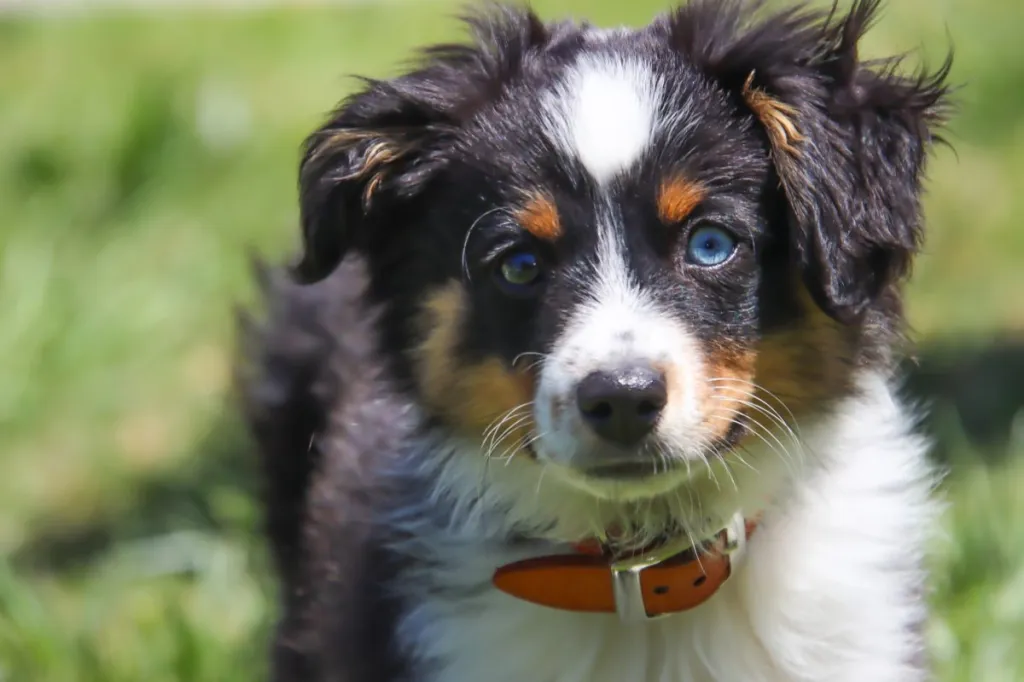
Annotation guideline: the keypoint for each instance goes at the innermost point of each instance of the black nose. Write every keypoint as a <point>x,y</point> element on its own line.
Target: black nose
<point>622,406</point>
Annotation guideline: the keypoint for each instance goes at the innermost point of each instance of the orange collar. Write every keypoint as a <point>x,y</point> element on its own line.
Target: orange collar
<point>667,578</point>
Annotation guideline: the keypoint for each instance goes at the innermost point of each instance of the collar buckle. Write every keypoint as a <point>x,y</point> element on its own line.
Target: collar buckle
<point>626,572</point>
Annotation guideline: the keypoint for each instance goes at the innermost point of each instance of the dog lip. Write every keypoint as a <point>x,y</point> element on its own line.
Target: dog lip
<point>628,470</point>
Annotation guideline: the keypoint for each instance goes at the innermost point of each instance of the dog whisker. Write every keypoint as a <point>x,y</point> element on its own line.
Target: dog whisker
<point>465,243</point>
<point>764,407</point>
<point>508,414</point>
<point>778,448</point>
<point>771,414</point>
<point>758,387</point>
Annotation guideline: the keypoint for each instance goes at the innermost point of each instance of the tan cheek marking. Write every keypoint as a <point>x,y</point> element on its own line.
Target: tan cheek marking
<point>485,392</point>
<point>539,217</point>
<point>728,388</point>
<point>470,397</point>
<point>723,389</point>
<point>677,198</point>
<point>441,319</point>
<point>806,366</point>
<point>793,372</point>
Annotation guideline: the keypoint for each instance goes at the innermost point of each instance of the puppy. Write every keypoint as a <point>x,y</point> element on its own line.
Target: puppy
<point>586,370</point>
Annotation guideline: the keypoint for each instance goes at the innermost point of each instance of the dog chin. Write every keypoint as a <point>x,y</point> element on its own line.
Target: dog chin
<point>623,485</point>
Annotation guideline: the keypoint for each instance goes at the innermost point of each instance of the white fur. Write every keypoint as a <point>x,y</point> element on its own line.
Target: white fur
<point>604,114</point>
<point>618,326</point>
<point>599,34</point>
<point>825,590</point>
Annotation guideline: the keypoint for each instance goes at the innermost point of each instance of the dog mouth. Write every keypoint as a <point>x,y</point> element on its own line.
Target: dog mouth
<point>629,471</point>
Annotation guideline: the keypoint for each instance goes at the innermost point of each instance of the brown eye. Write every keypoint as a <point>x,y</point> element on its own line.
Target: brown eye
<point>519,273</point>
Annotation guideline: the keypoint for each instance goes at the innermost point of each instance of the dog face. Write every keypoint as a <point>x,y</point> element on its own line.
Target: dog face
<point>618,252</point>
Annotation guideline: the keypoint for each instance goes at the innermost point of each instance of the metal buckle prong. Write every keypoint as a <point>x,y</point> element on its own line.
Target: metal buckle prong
<point>735,535</point>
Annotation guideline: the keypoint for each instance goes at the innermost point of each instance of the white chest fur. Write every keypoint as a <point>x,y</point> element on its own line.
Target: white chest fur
<point>828,589</point>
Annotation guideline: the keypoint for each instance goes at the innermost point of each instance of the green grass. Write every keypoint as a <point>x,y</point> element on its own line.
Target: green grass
<point>142,157</point>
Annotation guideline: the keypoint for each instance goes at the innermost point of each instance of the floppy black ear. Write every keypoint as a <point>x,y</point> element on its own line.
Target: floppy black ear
<point>378,145</point>
<point>383,144</point>
<point>853,174</point>
<point>848,138</point>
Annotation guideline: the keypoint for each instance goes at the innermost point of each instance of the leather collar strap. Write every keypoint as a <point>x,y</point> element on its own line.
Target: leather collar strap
<point>657,581</point>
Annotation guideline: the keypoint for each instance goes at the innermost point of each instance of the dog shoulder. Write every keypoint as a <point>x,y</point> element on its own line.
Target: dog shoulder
<point>306,372</point>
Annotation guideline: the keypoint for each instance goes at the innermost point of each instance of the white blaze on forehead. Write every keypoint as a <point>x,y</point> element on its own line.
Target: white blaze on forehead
<point>604,113</point>
<point>616,320</point>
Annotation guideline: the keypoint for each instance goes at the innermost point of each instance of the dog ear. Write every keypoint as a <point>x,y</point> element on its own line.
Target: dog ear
<point>850,155</point>
<point>848,138</point>
<point>379,147</point>
<point>384,144</point>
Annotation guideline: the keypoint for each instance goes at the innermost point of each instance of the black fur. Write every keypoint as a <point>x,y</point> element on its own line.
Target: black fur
<point>320,411</point>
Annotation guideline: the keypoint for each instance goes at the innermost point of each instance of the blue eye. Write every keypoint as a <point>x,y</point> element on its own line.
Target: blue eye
<point>519,272</point>
<point>709,246</point>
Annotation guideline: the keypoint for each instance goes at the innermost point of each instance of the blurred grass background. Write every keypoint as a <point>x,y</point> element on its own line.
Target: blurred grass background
<point>143,154</point>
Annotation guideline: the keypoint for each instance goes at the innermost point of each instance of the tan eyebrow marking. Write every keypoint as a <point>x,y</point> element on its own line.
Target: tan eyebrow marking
<point>677,197</point>
<point>539,217</point>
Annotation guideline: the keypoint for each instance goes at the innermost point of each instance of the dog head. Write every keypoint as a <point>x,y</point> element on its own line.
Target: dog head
<point>614,252</point>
